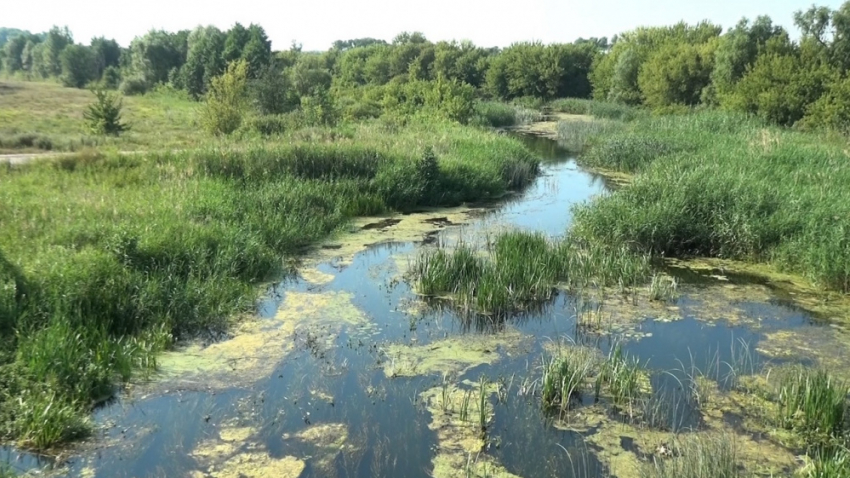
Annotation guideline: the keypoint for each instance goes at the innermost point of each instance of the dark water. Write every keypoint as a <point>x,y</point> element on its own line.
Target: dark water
<point>153,436</point>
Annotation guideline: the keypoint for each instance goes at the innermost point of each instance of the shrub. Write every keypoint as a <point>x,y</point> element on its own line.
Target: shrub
<point>134,86</point>
<point>111,79</point>
<point>495,114</point>
<point>103,116</point>
<point>226,100</point>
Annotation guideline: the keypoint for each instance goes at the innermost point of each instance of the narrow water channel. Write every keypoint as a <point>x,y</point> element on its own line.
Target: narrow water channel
<point>379,426</point>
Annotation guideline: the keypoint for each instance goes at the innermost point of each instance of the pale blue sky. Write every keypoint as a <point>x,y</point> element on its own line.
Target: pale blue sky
<point>317,23</point>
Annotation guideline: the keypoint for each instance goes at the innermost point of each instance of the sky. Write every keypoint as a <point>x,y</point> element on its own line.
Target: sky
<point>317,23</point>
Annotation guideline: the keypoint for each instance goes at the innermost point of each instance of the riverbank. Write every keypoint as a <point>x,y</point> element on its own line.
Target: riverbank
<point>106,259</point>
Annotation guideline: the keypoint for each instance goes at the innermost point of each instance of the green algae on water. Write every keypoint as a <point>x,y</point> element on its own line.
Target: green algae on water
<point>451,355</point>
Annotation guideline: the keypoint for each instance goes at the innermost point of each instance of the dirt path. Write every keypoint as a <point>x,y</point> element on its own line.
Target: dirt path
<point>28,157</point>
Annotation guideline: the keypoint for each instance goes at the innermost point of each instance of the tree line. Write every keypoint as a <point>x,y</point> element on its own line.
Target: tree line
<point>754,67</point>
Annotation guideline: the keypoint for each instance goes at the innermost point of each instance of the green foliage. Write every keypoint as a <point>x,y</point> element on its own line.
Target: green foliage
<point>495,114</point>
<point>778,88</point>
<point>832,109</point>
<point>575,136</point>
<point>812,403</point>
<point>111,78</point>
<point>542,71</point>
<point>521,269</point>
<point>564,376</point>
<point>204,60</point>
<point>595,108</point>
<point>107,54</point>
<point>103,116</point>
<point>134,85</point>
<point>226,101</point>
<point>676,75</point>
<point>78,66</point>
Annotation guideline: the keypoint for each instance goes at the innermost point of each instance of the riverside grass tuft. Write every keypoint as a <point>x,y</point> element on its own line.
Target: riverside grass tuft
<point>521,269</point>
<point>105,259</point>
<point>724,185</point>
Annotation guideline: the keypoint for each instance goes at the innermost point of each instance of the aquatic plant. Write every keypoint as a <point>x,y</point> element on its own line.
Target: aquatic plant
<point>564,376</point>
<point>483,417</point>
<point>811,402</point>
<point>577,135</point>
<point>828,464</point>
<point>663,288</point>
<point>463,413</point>
<point>522,268</point>
<point>624,379</point>
<point>697,455</point>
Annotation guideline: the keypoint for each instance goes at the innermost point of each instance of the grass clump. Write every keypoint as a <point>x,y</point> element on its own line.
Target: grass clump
<point>522,268</point>
<point>697,456</point>
<point>598,109</point>
<point>719,185</point>
<point>104,259</point>
<point>576,136</point>
<point>624,379</point>
<point>500,115</point>
<point>565,375</point>
<point>811,403</point>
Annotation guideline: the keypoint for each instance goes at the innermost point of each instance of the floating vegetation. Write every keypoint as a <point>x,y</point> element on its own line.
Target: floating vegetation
<point>258,345</point>
<point>460,443</point>
<point>453,355</point>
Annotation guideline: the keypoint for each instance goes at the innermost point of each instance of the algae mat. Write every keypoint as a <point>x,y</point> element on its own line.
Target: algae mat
<point>259,345</point>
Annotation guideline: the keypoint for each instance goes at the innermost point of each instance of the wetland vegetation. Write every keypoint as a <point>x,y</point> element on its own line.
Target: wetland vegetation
<point>264,205</point>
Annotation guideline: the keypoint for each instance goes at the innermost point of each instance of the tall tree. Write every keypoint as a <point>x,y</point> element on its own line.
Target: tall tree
<point>106,53</point>
<point>55,41</point>
<point>79,66</point>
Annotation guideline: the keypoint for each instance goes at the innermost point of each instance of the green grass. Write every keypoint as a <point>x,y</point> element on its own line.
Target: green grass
<point>42,116</point>
<point>829,465</point>
<point>622,378</point>
<point>104,259</point>
<point>521,269</point>
<point>598,109</point>
<point>811,403</point>
<point>697,456</point>
<point>720,185</point>
<point>500,115</point>
<point>575,136</point>
<point>564,376</point>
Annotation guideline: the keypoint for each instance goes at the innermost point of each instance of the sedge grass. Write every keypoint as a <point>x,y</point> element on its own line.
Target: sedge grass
<point>720,185</point>
<point>697,456</point>
<point>811,403</point>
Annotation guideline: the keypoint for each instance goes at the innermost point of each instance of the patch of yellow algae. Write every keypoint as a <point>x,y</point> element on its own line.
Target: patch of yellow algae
<point>829,305</point>
<point>549,127</point>
<point>258,345</point>
<point>325,442</point>
<point>451,355</point>
<point>460,444</point>
<point>827,347</point>
<point>409,227</point>
<point>315,276</point>
<point>259,465</point>
<point>233,456</point>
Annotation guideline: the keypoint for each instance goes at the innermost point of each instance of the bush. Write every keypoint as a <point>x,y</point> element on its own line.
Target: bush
<point>134,86</point>
<point>226,101</point>
<point>104,115</point>
<point>27,140</point>
<point>111,79</point>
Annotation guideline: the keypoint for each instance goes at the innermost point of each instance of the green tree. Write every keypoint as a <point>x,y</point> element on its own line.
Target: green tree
<point>226,100</point>
<point>272,92</point>
<point>154,55</point>
<point>310,74</point>
<point>107,53</point>
<point>55,41</point>
<point>204,60</point>
<point>234,44</point>
<point>78,66</point>
<point>676,75</point>
<point>103,116</point>
<point>258,50</point>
